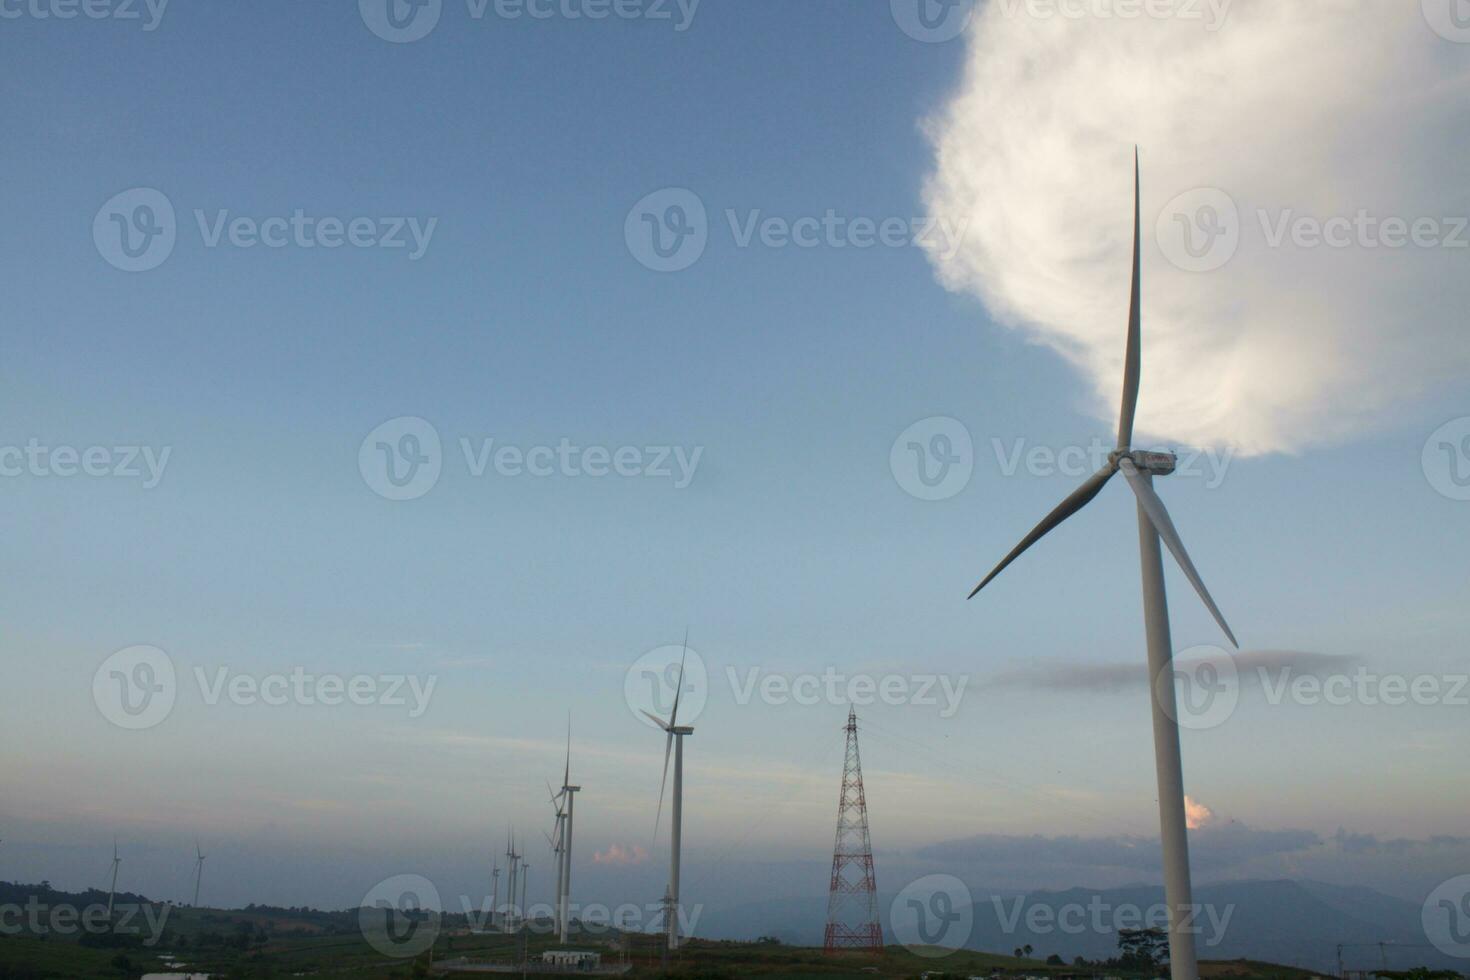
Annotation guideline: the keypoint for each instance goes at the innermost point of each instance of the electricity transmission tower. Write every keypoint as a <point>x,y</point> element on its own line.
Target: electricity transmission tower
<point>852,902</point>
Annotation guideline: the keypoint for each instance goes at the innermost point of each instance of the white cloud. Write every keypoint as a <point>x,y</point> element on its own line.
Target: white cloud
<point>620,855</point>
<point>1196,814</point>
<point>1323,107</point>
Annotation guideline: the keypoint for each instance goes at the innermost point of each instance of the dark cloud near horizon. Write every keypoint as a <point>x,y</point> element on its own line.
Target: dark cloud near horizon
<point>1217,847</point>
<point>1065,676</point>
<point>1354,843</point>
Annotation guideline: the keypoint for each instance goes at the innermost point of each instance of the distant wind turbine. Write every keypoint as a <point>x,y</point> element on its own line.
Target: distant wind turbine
<point>198,870</point>
<point>511,857</point>
<point>1139,469</point>
<point>565,801</point>
<point>494,889</point>
<point>674,743</point>
<point>112,889</point>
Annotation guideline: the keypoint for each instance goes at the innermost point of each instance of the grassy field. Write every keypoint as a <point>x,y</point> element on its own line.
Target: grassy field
<point>275,943</point>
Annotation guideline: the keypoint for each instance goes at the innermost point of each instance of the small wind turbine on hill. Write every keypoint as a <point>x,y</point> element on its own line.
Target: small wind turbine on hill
<point>1139,469</point>
<point>494,889</point>
<point>112,889</point>
<point>511,858</point>
<point>674,743</point>
<point>198,870</point>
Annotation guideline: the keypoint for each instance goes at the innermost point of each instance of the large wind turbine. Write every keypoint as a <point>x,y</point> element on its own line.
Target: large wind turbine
<point>565,814</point>
<point>675,742</point>
<point>512,859</point>
<point>1139,469</point>
<point>198,870</point>
<point>112,889</point>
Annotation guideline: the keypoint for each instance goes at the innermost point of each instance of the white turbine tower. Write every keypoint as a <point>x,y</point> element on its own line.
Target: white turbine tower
<point>553,840</point>
<point>566,811</point>
<point>112,889</point>
<point>674,744</point>
<point>511,858</point>
<point>1139,469</point>
<point>198,870</point>
<point>494,889</point>
<point>525,877</point>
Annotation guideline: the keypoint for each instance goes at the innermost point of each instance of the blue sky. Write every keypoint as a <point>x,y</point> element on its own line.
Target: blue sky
<point>528,320</point>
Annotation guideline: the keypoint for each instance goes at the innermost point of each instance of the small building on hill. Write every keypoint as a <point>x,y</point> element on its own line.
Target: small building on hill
<point>574,959</point>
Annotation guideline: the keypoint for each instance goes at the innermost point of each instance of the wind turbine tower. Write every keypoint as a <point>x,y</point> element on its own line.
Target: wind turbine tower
<point>112,889</point>
<point>1154,524</point>
<point>198,871</point>
<point>564,855</point>
<point>512,858</point>
<point>494,889</point>
<point>674,744</point>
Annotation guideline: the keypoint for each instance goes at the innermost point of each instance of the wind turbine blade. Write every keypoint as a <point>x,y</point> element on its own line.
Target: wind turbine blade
<point>668,748</point>
<point>1080,498</point>
<point>1158,516</point>
<point>656,720</point>
<point>674,715</point>
<point>566,778</point>
<point>1131,363</point>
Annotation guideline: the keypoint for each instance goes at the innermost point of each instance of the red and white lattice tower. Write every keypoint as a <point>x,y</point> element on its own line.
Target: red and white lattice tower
<point>852,902</point>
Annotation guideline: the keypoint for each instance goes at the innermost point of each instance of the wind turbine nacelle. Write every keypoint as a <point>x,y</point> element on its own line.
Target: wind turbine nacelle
<point>1157,464</point>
